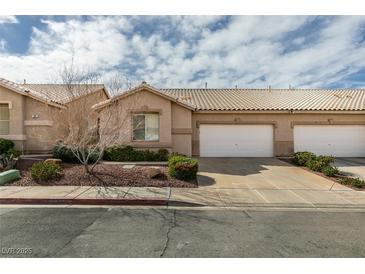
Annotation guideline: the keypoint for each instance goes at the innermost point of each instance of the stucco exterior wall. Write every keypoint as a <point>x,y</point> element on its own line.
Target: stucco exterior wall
<point>16,128</point>
<point>283,125</point>
<point>40,125</point>
<point>118,118</point>
<point>35,126</point>
<point>181,129</point>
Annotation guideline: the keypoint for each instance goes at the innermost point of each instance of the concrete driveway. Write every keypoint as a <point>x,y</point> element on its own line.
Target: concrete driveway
<point>351,166</point>
<point>259,173</point>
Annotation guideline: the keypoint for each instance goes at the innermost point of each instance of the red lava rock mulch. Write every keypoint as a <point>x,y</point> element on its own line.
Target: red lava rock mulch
<point>110,175</point>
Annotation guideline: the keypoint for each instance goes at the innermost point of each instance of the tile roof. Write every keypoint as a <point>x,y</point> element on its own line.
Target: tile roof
<point>28,92</point>
<point>61,93</point>
<point>271,99</point>
<point>57,94</point>
<point>145,86</point>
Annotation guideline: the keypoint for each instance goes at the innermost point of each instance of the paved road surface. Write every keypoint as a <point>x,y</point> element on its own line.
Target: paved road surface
<point>154,232</point>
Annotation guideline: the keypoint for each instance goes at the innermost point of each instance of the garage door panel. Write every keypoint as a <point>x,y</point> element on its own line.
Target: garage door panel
<point>236,140</point>
<point>336,140</point>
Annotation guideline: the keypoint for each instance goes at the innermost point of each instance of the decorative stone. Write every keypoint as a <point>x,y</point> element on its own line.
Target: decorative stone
<point>8,176</point>
<point>53,161</point>
<point>153,172</point>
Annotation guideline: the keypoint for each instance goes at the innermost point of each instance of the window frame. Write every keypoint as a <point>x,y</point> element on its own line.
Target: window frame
<point>144,114</point>
<point>8,107</point>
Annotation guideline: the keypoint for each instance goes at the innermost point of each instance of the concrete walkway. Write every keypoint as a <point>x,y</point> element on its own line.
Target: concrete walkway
<point>216,197</point>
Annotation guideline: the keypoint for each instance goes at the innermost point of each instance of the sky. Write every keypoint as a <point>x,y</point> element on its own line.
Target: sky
<point>189,51</point>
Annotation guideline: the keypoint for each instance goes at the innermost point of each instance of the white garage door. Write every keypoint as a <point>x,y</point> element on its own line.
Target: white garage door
<point>236,141</point>
<point>336,140</point>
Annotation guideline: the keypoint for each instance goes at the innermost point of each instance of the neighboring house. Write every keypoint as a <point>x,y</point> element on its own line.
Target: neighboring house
<point>241,122</point>
<point>30,114</point>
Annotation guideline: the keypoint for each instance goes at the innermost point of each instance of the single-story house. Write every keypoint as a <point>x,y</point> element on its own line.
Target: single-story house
<point>240,122</point>
<point>30,113</point>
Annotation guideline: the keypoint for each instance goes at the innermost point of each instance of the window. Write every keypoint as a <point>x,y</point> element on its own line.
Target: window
<point>4,119</point>
<point>146,127</point>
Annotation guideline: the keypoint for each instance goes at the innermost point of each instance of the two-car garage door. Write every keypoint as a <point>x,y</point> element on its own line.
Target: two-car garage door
<point>236,140</point>
<point>335,140</point>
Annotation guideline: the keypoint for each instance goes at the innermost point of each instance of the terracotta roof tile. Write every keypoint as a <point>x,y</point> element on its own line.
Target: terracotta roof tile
<point>62,93</point>
<point>271,99</point>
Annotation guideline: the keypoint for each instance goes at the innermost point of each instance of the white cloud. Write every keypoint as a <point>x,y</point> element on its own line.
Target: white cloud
<point>8,19</point>
<point>249,51</point>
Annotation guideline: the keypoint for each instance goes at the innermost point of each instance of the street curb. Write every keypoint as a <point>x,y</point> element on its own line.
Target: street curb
<point>61,201</point>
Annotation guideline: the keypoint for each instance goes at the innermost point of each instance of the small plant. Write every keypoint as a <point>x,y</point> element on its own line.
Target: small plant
<point>329,171</point>
<point>5,145</point>
<point>42,171</point>
<point>356,182</point>
<point>303,158</point>
<point>8,161</point>
<point>183,168</point>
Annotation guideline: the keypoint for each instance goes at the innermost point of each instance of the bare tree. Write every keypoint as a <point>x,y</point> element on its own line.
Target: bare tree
<point>88,132</point>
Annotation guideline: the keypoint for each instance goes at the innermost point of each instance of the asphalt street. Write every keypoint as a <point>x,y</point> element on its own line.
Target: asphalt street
<point>158,232</point>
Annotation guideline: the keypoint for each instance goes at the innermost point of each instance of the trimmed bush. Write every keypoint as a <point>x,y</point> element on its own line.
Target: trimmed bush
<point>66,155</point>
<point>316,164</point>
<point>5,145</point>
<point>42,171</point>
<point>356,182</point>
<point>303,158</point>
<point>163,154</point>
<point>327,160</point>
<point>330,171</point>
<point>128,153</point>
<point>183,168</point>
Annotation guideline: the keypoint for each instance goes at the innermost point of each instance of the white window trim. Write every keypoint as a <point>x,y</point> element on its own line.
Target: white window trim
<point>145,113</point>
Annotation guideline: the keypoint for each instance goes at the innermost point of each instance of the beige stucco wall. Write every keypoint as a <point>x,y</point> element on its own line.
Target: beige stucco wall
<point>174,120</point>
<point>16,111</point>
<point>283,125</point>
<point>35,126</point>
<point>118,118</point>
<point>181,129</point>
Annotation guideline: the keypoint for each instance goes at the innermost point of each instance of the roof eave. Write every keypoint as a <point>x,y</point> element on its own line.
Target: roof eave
<point>28,94</point>
<point>282,111</point>
<point>138,89</point>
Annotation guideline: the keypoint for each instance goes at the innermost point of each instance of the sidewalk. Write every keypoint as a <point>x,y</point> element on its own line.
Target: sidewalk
<point>214,197</point>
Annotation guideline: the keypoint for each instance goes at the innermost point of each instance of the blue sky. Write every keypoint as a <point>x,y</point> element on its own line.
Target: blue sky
<point>187,51</point>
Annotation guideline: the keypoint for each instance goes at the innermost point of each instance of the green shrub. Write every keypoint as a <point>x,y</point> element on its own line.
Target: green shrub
<point>15,153</point>
<point>128,153</point>
<point>163,154</point>
<point>66,155</point>
<point>42,171</point>
<point>329,171</point>
<point>316,164</point>
<point>183,168</point>
<point>327,160</point>
<point>356,182</point>
<point>5,145</point>
<point>303,158</point>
